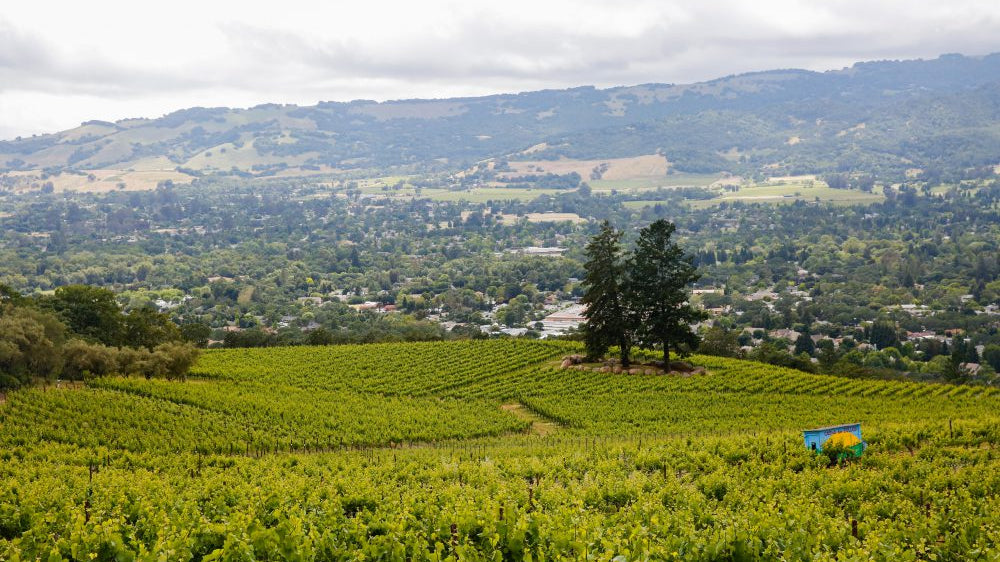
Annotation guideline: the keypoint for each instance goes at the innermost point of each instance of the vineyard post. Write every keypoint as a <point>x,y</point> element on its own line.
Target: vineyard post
<point>454,536</point>
<point>92,468</point>
<point>854,528</point>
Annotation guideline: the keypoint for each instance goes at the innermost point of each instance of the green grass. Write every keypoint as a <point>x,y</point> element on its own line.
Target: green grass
<point>776,194</point>
<point>636,205</point>
<point>484,194</point>
<point>650,183</point>
<point>378,184</point>
<point>789,193</point>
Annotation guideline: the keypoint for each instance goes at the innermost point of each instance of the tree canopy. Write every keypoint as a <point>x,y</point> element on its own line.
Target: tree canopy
<point>81,332</point>
<point>608,321</point>
<point>640,298</point>
<point>659,274</point>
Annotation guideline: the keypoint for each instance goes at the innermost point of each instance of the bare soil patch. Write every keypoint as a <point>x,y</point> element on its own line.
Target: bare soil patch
<point>540,425</point>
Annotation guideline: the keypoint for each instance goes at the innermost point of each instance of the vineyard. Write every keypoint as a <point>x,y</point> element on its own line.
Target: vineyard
<point>410,452</point>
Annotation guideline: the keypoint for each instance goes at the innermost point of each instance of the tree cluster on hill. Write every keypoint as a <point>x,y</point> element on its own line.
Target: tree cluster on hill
<point>79,332</point>
<point>639,299</point>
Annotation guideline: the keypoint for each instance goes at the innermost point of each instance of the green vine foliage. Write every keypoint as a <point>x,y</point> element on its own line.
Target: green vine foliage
<point>403,452</point>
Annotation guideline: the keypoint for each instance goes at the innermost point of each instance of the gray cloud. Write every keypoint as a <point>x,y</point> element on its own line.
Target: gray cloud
<point>20,50</point>
<point>474,52</point>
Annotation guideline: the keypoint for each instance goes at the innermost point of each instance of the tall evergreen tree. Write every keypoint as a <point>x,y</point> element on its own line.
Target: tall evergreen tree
<point>804,344</point>
<point>882,334</point>
<point>659,273</point>
<point>607,319</point>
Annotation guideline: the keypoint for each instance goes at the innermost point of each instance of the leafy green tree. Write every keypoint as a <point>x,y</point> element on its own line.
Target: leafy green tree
<point>607,312</point>
<point>145,327</point>
<point>196,333</point>
<point>991,355</point>
<point>514,312</point>
<point>10,296</point>
<point>658,276</point>
<point>953,371</point>
<point>90,312</point>
<point>468,331</point>
<point>132,361</point>
<point>88,359</point>
<point>827,354</point>
<point>29,345</point>
<point>175,358</point>
<point>774,354</point>
<point>319,336</point>
<point>720,342</point>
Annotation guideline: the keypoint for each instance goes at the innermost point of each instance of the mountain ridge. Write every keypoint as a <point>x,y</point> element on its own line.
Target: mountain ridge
<point>786,119</point>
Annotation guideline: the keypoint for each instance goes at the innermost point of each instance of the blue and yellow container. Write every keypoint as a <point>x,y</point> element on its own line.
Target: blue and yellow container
<point>847,435</point>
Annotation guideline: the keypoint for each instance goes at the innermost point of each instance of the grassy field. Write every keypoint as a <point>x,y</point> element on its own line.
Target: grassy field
<point>637,205</point>
<point>646,166</point>
<point>379,184</point>
<point>791,192</point>
<point>651,183</point>
<point>778,191</point>
<point>544,217</point>
<point>634,174</point>
<point>103,181</point>
<point>484,194</point>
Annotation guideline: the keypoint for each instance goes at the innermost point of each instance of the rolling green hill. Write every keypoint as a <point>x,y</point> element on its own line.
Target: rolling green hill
<point>488,450</point>
<point>886,117</point>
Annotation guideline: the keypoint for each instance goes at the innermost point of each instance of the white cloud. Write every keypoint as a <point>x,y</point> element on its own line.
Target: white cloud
<point>63,63</point>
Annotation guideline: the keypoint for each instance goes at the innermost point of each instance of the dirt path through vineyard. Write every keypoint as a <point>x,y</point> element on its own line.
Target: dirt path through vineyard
<point>540,425</point>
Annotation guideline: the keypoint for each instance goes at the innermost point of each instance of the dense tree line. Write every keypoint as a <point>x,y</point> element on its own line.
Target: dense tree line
<point>79,332</point>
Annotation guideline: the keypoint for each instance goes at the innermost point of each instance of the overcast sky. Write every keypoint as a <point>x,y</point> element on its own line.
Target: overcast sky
<point>62,63</point>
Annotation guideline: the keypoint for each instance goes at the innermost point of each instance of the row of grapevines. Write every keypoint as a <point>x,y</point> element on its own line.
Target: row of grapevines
<point>691,499</point>
<point>225,417</point>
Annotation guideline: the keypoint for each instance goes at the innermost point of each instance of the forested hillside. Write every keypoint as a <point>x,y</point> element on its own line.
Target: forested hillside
<point>886,117</point>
